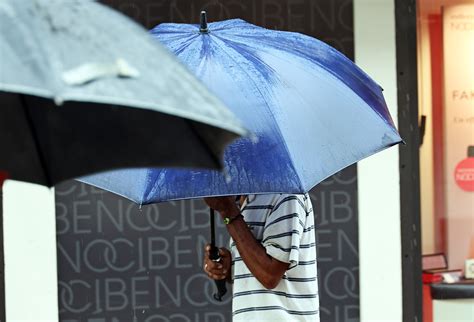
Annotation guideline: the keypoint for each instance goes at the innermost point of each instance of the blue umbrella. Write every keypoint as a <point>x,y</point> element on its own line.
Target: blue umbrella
<point>313,112</point>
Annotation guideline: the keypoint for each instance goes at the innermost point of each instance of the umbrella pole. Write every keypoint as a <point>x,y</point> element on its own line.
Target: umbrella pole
<point>213,229</point>
<point>214,256</point>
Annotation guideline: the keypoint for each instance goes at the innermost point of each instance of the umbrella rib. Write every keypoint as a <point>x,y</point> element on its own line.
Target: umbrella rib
<point>32,129</point>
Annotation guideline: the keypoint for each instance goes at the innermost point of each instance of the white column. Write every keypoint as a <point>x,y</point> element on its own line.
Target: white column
<point>426,150</point>
<point>378,176</point>
<point>30,252</point>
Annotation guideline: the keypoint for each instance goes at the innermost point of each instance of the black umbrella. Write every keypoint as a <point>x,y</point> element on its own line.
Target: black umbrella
<point>84,89</point>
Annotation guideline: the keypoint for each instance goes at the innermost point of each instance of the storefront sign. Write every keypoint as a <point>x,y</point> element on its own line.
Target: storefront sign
<point>464,172</point>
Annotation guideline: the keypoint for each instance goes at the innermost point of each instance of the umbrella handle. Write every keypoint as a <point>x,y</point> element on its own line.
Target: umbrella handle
<point>214,256</point>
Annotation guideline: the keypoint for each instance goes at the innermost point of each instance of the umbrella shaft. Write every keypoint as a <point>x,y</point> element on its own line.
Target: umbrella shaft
<point>213,230</point>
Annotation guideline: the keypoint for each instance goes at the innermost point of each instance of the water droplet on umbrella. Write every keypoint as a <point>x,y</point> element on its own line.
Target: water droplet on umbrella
<point>58,100</point>
<point>254,138</point>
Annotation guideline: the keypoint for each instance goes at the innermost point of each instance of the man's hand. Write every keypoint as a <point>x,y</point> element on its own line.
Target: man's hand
<point>218,270</point>
<point>266,269</point>
<point>226,206</point>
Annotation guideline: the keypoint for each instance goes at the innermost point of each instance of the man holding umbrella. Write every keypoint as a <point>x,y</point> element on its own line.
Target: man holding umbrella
<point>272,257</point>
<point>311,112</point>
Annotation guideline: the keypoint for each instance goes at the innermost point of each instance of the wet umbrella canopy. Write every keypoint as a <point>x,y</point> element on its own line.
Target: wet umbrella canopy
<point>84,89</point>
<point>313,111</point>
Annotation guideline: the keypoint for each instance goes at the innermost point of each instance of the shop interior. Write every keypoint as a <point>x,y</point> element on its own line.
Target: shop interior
<point>445,52</point>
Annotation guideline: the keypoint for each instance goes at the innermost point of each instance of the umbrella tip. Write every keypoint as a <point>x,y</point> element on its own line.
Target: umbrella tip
<point>203,26</point>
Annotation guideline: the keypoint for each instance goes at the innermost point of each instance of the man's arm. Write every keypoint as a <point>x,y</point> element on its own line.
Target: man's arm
<point>265,268</point>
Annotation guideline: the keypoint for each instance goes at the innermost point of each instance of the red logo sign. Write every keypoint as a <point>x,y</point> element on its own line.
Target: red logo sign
<point>464,174</point>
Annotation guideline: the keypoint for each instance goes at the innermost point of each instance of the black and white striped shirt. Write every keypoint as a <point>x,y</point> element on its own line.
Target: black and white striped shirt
<point>284,224</point>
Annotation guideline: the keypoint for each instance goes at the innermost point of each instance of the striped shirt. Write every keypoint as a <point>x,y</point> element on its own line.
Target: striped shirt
<point>284,224</point>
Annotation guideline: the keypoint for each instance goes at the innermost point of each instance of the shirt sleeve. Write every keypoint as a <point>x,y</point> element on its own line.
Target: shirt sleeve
<point>284,228</point>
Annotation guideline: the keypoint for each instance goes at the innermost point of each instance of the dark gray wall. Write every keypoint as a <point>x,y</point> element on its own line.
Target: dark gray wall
<point>335,204</point>
<point>117,262</point>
